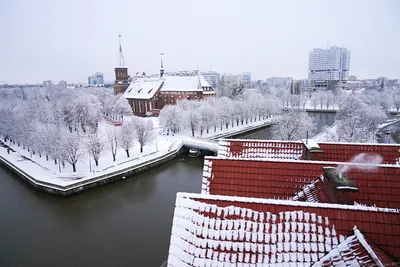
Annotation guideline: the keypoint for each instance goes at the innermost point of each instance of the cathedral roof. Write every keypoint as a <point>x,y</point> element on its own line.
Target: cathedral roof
<point>145,86</point>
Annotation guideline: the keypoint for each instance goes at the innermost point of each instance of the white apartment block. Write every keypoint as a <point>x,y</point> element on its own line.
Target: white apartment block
<point>212,77</point>
<point>331,64</point>
<point>279,81</point>
<point>230,79</point>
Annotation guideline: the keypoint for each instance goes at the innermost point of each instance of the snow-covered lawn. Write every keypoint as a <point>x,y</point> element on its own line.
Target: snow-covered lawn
<point>47,171</point>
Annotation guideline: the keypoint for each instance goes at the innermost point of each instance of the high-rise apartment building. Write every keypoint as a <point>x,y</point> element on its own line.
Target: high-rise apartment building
<point>96,79</point>
<point>279,81</point>
<point>246,78</point>
<point>328,66</point>
<point>231,79</point>
<point>212,77</point>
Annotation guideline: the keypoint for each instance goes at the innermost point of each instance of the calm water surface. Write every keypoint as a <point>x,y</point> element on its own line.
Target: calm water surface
<point>127,223</point>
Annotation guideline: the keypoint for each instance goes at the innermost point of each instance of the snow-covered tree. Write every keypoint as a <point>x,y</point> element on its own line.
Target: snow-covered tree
<point>127,137</point>
<point>113,141</point>
<point>143,131</point>
<point>171,118</point>
<point>236,90</point>
<point>72,149</point>
<point>396,99</point>
<point>95,146</point>
<point>314,100</point>
<point>357,121</point>
<point>294,124</point>
<point>121,107</point>
<point>207,114</point>
<point>192,120</point>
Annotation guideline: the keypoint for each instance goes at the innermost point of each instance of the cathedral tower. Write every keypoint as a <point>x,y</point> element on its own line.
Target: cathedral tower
<point>121,73</point>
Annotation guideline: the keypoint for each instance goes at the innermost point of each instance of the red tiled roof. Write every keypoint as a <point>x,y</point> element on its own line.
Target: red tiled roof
<point>337,152</point>
<point>355,250</point>
<point>312,192</point>
<point>210,230</point>
<point>284,178</point>
<point>260,149</point>
<point>344,152</point>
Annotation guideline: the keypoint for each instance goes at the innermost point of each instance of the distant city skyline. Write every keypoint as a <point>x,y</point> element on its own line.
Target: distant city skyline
<point>61,40</point>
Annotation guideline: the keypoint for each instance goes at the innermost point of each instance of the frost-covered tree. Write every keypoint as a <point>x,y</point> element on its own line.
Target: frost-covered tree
<point>143,131</point>
<point>314,100</point>
<point>357,121</point>
<point>127,137</point>
<point>207,115</point>
<point>192,120</point>
<point>121,107</point>
<point>112,138</point>
<point>396,99</point>
<point>225,111</point>
<point>294,124</point>
<point>171,118</point>
<point>236,90</point>
<point>95,146</point>
<point>72,150</point>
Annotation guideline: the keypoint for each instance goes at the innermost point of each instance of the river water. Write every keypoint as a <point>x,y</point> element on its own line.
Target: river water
<point>127,223</point>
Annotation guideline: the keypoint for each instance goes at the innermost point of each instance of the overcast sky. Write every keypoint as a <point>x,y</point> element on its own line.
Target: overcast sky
<point>72,39</point>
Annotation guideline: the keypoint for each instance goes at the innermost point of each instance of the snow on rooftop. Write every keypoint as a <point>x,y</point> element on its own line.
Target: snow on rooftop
<point>145,86</point>
<point>205,233</point>
<point>353,251</point>
<point>311,145</point>
<point>285,202</point>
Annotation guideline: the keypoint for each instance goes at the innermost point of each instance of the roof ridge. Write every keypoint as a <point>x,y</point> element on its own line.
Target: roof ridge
<point>285,202</point>
<point>367,247</point>
<point>302,161</point>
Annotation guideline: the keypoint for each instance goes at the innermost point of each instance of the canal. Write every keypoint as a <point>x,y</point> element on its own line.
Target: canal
<point>127,223</point>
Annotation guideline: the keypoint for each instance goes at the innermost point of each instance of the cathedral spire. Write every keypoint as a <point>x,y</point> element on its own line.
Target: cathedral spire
<point>121,62</point>
<point>162,66</point>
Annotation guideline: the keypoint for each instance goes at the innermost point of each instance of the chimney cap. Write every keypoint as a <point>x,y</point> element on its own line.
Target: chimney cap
<point>311,145</point>
<point>341,181</point>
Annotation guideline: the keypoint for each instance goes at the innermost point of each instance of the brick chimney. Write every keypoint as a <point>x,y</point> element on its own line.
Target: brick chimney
<point>339,188</point>
<point>311,149</point>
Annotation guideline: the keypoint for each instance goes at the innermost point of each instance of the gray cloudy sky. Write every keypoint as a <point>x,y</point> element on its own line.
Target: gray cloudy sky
<point>72,39</point>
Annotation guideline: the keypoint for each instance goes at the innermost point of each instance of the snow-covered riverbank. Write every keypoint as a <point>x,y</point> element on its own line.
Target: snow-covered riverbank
<point>47,173</point>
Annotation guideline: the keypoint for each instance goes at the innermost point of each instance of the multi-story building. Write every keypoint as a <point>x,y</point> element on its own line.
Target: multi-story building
<point>231,79</point>
<point>327,67</point>
<point>279,81</point>
<point>212,77</point>
<point>96,79</point>
<point>148,94</point>
<point>246,78</point>
<point>352,78</point>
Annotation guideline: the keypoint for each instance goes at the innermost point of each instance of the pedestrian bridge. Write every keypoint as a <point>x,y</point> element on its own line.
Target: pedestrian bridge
<point>200,144</point>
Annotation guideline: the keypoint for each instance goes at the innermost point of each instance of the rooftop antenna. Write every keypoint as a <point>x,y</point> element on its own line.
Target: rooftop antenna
<point>121,62</point>
<point>327,44</point>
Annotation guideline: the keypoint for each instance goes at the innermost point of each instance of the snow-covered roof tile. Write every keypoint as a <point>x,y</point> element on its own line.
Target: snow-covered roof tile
<point>355,250</point>
<point>234,233</point>
<point>144,87</point>
<point>275,178</point>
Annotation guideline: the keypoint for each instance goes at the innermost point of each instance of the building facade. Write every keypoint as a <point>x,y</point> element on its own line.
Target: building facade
<point>231,79</point>
<point>327,67</point>
<point>279,81</point>
<point>246,78</point>
<point>212,77</point>
<point>96,79</point>
<point>148,94</point>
